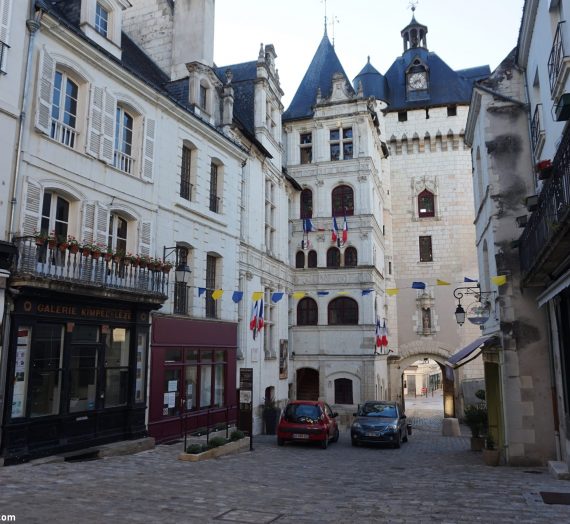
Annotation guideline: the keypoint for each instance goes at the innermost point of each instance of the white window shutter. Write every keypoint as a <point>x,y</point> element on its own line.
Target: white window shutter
<point>95,121</point>
<point>147,164</point>
<point>145,235</point>
<point>102,224</point>
<point>109,116</point>
<point>46,73</point>
<point>88,222</point>
<point>31,208</point>
<point>4,25</point>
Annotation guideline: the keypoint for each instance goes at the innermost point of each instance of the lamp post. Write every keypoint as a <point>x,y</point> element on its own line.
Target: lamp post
<point>481,308</point>
<point>181,276</point>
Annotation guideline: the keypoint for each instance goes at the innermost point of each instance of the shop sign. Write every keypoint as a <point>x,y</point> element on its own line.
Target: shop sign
<point>73,310</point>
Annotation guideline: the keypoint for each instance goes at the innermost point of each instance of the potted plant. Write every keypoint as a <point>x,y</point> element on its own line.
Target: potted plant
<point>40,237</point>
<point>108,253</point>
<point>166,267</point>
<point>476,419</point>
<point>544,169</point>
<point>491,454</point>
<point>97,249</point>
<point>86,248</point>
<point>62,243</point>
<point>72,244</point>
<point>270,416</point>
<point>52,240</point>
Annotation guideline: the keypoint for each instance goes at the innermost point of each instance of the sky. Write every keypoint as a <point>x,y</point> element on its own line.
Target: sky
<point>464,33</point>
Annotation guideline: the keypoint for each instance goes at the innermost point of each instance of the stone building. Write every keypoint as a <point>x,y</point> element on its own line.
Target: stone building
<point>406,181</point>
<point>516,359</point>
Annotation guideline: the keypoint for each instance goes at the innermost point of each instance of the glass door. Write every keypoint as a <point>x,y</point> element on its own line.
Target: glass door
<point>84,363</point>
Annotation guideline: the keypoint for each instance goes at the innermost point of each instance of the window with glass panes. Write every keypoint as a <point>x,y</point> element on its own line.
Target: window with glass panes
<point>306,148</point>
<point>341,143</point>
<point>342,201</point>
<point>350,257</point>
<point>101,20</point>
<point>333,257</point>
<point>185,180</point>
<point>343,391</point>
<point>300,260</point>
<point>343,311</point>
<point>181,288</point>
<point>268,327</point>
<point>270,211</point>
<point>117,239</point>
<point>312,259</point>
<point>307,312</point>
<point>211,263</point>
<point>54,222</point>
<point>214,198</point>
<point>306,203</point>
<point>123,159</point>
<point>426,254</point>
<point>64,109</point>
<point>426,204</point>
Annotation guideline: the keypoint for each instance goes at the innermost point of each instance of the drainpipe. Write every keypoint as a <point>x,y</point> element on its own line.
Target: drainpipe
<point>33,25</point>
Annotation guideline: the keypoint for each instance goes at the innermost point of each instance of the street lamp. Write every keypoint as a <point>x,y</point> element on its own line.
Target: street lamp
<point>181,271</point>
<point>480,310</point>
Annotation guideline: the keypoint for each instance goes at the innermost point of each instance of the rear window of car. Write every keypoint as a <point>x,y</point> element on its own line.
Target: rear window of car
<point>302,412</point>
<point>378,410</point>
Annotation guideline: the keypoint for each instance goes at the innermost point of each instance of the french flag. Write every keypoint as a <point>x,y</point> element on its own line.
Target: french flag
<point>253,321</point>
<point>384,340</point>
<point>260,316</point>
<point>334,231</point>
<point>345,231</point>
<point>378,333</point>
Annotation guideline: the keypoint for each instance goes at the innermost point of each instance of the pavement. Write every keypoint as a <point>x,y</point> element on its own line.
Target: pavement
<point>430,479</point>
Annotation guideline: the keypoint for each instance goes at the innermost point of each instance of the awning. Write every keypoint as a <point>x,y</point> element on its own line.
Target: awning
<point>467,350</point>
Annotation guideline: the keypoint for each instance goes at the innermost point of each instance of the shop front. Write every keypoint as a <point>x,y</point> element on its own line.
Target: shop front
<point>193,376</point>
<point>77,369</point>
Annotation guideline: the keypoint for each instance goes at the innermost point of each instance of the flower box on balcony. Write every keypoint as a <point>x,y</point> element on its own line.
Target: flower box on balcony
<point>544,169</point>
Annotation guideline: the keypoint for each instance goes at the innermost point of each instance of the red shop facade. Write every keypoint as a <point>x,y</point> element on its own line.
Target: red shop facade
<point>193,376</point>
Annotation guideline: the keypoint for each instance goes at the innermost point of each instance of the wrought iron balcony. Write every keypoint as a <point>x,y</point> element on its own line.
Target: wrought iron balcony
<point>41,263</point>
<point>545,240</point>
<point>558,62</point>
<point>536,131</point>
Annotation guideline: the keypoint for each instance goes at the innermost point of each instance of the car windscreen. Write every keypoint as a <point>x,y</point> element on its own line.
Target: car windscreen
<point>302,413</point>
<point>378,410</point>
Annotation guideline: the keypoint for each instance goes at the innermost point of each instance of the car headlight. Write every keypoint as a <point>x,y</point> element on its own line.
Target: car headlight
<point>393,427</point>
<point>356,425</point>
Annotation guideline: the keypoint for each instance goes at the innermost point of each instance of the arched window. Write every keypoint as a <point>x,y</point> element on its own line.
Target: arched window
<point>306,203</point>
<point>307,312</point>
<point>426,204</point>
<point>55,216</point>
<point>333,257</point>
<point>312,262</point>
<point>343,311</point>
<point>342,201</point>
<point>117,239</point>
<point>343,391</point>
<point>64,109</point>
<point>350,257</point>
<point>300,260</point>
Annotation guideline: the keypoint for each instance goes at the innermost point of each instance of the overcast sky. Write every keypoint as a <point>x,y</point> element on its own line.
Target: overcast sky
<point>464,33</point>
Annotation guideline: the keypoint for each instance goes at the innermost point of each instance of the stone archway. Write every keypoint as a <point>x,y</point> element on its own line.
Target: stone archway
<point>307,384</point>
<point>418,351</point>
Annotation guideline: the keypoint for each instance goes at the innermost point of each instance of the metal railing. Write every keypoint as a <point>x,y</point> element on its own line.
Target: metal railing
<point>206,421</point>
<point>123,162</point>
<point>556,58</point>
<point>63,133</point>
<point>58,263</point>
<point>536,131</point>
<point>552,209</point>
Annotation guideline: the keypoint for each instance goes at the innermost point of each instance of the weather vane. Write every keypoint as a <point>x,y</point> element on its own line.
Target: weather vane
<point>412,6</point>
<point>325,2</point>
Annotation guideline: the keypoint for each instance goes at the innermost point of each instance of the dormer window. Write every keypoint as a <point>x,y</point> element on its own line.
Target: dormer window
<point>101,20</point>
<point>203,97</point>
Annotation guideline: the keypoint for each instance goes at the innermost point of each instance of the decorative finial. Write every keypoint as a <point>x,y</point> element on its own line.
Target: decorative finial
<point>368,58</point>
<point>413,4</point>
<point>334,20</point>
<point>261,55</point>
<point>325,2</point>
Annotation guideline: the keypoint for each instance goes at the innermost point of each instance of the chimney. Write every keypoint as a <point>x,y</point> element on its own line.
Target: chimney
<point>193,35</point>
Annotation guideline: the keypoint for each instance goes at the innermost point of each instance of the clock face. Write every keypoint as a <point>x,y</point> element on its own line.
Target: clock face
<point>417,81</point>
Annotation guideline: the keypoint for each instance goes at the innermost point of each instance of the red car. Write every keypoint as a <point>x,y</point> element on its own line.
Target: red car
<point>307,421</point>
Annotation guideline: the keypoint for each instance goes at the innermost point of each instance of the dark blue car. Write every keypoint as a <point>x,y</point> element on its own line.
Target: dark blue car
<point>379,421</point>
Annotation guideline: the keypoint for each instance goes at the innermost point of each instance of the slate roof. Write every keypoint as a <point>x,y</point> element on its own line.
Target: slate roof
<point>324,65</point>
<point>373,83</point>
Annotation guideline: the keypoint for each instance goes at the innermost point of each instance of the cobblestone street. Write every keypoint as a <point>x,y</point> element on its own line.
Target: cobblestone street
<point>430,479</point>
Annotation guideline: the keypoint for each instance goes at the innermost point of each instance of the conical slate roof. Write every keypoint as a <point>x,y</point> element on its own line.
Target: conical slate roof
<point>373,83</point>
<point>319,75</point>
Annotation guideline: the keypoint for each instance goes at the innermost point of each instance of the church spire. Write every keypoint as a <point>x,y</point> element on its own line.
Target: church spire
<point>414,34</point>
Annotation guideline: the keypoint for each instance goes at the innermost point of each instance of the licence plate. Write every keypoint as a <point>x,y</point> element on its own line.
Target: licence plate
<point>371,434</point>
<point>300,435</point>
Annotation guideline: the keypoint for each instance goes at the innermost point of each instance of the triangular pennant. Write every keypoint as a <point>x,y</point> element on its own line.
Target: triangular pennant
<point>418,285</point>
<point>299,294</point>
<point>467,279</point>
<point>499,280</point>
<point>217,294</point>
<point>442,282</point>
<point>201,291</point>
<point>391,291</point>
<point>237,296</point>
<point>256,295</point>
<point>322,293</point>
<point>366,292</point>
<point>277,296</point>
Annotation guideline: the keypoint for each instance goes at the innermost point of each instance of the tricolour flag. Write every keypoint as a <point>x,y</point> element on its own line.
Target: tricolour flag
<point>260,316</point>
<point>334,231</point>
<point>384,341</point>
<point>378,333</point>
<point>345,230</point>
<point>253,320</point>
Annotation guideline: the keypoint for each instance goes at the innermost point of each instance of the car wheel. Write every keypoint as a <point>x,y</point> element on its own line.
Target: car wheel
<point>336,435</point>
<point>405,439</point>
<point>325,442</point>
<point>398,442</point>
<point>280,442</point>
